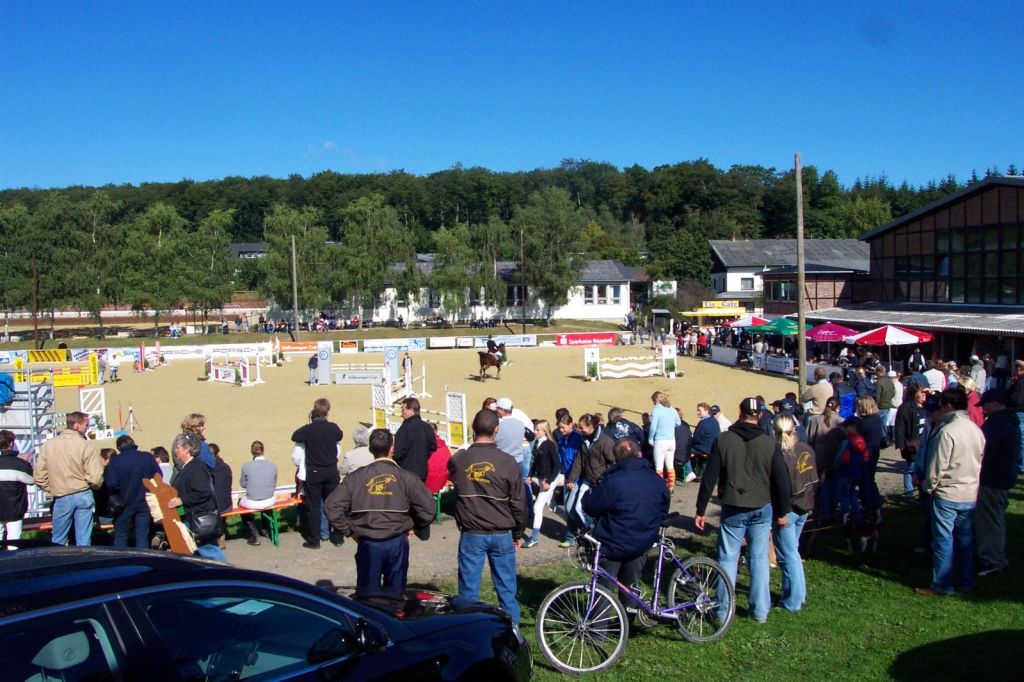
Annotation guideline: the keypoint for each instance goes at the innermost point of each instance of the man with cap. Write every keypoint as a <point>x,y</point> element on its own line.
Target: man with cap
<point>998,475</point>
<point>978,372</point>
<point>952,480</point>
<point>753,488</point>
<point>788,407</point>
<point>885,391</point>
<point>379,505</point>
<point>723,421</point>
<point>512,438</point>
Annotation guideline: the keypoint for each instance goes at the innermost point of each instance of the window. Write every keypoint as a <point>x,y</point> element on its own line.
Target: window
<point>242,633</point>
<point>514,295</point>
<point>433,298</point>
<point>615,294</point>
<point>780,291</point>
<point>72,645</point>
<point>746,283</point>
<point>474,296</point>
<point>602,294</point>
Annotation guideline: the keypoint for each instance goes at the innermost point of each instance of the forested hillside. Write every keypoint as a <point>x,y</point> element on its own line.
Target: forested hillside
<point>157,245</point>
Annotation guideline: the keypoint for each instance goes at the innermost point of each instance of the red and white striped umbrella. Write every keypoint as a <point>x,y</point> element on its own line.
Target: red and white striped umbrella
<point>889,335</point>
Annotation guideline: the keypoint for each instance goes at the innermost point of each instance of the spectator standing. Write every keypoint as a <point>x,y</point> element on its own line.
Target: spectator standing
<point>588,468</point>
<point>978,373</point>
<point>123,477</point>
<point>194,484</point>
<point>259,480</point>
<point>545,476</point>
<point>490,513</point>
<point>684,436</point>
<point>115,366</point>
<point>662,438</point>
<point>414,441</point>
<point>196,423</point>
<point>15,477</point>
<point>723,421</point>
<point>313,364</point>
<point>380,505</point>
<point>1015,401</point>
<point>817,394</point>
<point>916,363</point>
<point>843,393</point>
<point>935,376</point>
<point>619,427</point>
<point>437,465</point>
<point>873,430</point>
<point>911,419</point>
<point>512,436</point>
<point>69,469</point>
<point>825,435</point>
<point>952,480</point>
<point>704,436</point>
<point>320,438</point>
<point>753,485</point>
<point>803,480</point>
<point>628,505</point>
<point>974,409</point>
<point>360,455</point>
<point>570,445</point>
<point>223,480</point>
<point>163,460</point>
<point>998,475</point>
<point>885,392</point>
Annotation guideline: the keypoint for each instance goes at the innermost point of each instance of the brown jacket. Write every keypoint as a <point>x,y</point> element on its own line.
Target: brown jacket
<point>68,464</point>
<point>819,394</point>
<point>379,501</point>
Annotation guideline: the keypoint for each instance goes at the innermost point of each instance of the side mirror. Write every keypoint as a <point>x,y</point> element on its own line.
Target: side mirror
<point>369,636</point>
<point>335,643</point>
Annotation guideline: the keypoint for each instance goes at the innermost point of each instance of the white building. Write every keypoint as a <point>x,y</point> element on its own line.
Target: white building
<point>738,265</point>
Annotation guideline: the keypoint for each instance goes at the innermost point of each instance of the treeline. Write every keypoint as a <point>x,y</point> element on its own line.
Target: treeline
<point>156,245</point>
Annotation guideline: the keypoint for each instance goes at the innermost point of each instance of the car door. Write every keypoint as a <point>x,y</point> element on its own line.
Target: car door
<point>247,631</point>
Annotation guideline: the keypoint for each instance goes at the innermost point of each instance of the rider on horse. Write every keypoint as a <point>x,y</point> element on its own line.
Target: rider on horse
<point>493,349</point>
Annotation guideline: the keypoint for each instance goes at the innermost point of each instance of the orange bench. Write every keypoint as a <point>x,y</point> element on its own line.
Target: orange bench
<point>272,514</point>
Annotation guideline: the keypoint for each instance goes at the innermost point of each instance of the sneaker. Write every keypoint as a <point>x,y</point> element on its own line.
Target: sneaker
<point>532,542</point>
<point>309,544</point>
<point>565,544</point>
<point>690,477</point>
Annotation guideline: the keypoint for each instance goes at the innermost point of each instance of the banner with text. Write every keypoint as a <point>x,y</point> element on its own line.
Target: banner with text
<point>510,340</point>
<point>378,345</point>
<point>587,339</point>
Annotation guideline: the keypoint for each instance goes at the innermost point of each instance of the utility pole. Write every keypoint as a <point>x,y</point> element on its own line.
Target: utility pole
<point>522,277</point>
<point>295,291</point>
<point>35,302</point>
<point>801,343</point>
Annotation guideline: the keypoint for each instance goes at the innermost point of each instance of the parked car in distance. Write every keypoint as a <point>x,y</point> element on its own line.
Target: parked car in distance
<point>96,613</point>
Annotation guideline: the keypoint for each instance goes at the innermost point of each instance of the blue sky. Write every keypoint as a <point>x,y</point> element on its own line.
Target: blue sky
<point>115,92</point>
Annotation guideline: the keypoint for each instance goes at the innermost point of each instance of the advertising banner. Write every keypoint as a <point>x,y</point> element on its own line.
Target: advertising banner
<point>348,347</point>
<point>7,357</point>
<point>464,341</point>
<point>364,377</point>
<point>378,345</point>
<point>774,363</point>
<point>724,355</point>
<point>510,340</point>
<point>442,341</point>
<point>291,348</point>
<point>587,339</point>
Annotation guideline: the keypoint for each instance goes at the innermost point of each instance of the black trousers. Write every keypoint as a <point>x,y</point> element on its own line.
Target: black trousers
<point>318,485</point>
<point>382,566</point>
<point>628,571</point>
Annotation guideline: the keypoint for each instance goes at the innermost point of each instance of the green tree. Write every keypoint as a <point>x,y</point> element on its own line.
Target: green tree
<point>553,245</point>
<point>210,285</point>
<point>15,263</point>
<point>156,269</point>
<point>451,276</point>
<point>99,238</point>
<point>312,263</point>
<point>860,214</point>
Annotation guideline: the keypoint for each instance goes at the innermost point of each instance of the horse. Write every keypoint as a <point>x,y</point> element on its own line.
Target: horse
<point>488,360</point>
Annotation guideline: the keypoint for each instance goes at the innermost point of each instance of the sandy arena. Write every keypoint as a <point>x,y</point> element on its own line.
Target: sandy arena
<point>540,380</point>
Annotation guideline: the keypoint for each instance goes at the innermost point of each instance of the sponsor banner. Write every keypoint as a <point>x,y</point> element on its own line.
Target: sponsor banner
<point>57,355</point>
<point>378,345</point>
<point>720,304</point>
<point>510,340</point>
<point>348,347</point>
<point>464,341</point>
<point>357,376</point>
<point>587,339</point>
<point>442,341</point>
<point>183,352</point>
<point>724,355</point>
<point>7,357</point>
<point>298,347</point>
<point>774,363</point>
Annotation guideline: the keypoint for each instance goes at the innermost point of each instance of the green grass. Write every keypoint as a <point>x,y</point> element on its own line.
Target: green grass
<point>862,620</point>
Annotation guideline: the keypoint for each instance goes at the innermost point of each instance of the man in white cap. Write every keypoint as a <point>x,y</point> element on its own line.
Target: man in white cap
<point>512,434</point>
<point>978,372</point>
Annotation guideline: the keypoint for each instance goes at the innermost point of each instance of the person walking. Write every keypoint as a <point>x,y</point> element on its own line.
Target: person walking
<point>414,440</point>
<point>320,438</point>
<point>259,480</point>
<point>15,477</point>
<point>194,484</point>
<point>69,469</point>
<point>803,482</point>
<point>662,438</point>
<point>123,477</point>
<point>753,486</point>
<point>588,468</point>
<point>998,475</point>
<point>380,505</point>
<point>490,512</point>
<point>952,481</point>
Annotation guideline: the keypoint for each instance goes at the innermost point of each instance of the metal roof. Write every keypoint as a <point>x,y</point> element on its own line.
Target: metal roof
<point>812,269</point>
<point>1002,320</point>
<point>594,271</point>
<point>771,253</point>
<point>1011,181</point>
<point>238,248</point>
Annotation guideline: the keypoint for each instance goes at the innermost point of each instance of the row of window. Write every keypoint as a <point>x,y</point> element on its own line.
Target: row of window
<point>593,294</point>
<point>956,240</point>
<point>602,294</point>
<point>780,291</point>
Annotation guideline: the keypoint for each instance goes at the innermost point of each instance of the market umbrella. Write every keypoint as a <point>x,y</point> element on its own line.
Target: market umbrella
<point>783,326</point>
<point>829,332</point>
<point>747,321</point>
<point>889,335</point>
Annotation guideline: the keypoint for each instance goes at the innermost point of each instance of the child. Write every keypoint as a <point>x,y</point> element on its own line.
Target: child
<point>849,465</point>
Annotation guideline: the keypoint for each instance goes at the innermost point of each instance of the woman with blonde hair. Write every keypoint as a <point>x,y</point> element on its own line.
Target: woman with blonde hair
<point>803,480</point>
<point>662,437</point>
<point>973,400</point>
<point>545,476</point>
<point>196,423</point>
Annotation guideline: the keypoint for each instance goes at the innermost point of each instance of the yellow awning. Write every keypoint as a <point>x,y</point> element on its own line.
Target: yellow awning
<point>716,312</point>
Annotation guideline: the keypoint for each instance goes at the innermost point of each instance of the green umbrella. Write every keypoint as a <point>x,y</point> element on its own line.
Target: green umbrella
<point>783,326</point>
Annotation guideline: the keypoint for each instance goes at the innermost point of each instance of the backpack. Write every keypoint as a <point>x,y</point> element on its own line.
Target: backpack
<point>847,402</point>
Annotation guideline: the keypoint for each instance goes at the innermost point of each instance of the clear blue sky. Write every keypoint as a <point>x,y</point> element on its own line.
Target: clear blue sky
<point>115,92</point>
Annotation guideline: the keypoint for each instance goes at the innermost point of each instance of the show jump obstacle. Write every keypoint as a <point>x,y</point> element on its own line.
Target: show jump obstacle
<point>452,422</point>
<point>400,387</point>
<point>634,366</point>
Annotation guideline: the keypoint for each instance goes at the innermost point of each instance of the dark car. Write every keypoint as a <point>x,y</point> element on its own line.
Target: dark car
<point>77,613</point>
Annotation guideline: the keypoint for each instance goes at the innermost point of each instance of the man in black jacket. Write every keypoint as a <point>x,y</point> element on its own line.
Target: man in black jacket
<point>15,477</point>
<point>491,513</point>
<point>379,505</point>
<point>629,505</point>
<point>414,440</point>
<point>320,438</point>
<point>998,475</point>
<point>753,487</point>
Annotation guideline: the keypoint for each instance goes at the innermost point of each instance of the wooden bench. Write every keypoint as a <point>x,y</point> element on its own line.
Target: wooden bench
<point>271,514</point>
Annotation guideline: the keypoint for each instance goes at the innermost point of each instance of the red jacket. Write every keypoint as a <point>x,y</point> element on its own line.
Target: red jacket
<point>437,467</point>
<point>974,409</point>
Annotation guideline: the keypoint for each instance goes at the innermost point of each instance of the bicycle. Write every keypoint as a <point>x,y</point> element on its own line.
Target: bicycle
<point>582,626</point>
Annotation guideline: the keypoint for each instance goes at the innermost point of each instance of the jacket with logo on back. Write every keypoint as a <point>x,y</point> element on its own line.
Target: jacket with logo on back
<point>490,490</point>
<point>379,501</point>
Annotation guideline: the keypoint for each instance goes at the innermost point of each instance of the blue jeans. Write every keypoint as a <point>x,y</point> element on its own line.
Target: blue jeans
<point>211,550</point>
<point>787,551</point>
<point>849,499</point>
<point>77,506</point>
<point>527,461</point>
<point>137,517</point>
<point>908,477</point>
<point>382,566</point>
<point>738,523</point>
<point>500,552</point>
<point>1020,457</point>
<point>952,545</point>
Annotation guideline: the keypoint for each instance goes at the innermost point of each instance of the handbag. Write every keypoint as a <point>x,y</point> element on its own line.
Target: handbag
<point>115,504</point>
<point>205,527</point>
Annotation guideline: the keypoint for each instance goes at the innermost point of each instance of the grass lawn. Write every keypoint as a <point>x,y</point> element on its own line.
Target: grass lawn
<point>862,620</point>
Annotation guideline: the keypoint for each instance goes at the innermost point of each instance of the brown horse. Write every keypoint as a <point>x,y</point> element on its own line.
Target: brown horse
<point>488,360</point>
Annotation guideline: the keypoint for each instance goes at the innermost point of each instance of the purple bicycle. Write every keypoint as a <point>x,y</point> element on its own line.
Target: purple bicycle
<point>582,627</point>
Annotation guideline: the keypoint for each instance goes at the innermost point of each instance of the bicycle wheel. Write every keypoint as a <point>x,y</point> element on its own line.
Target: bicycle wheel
<point>580,632</point>
<point>702,584</point>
